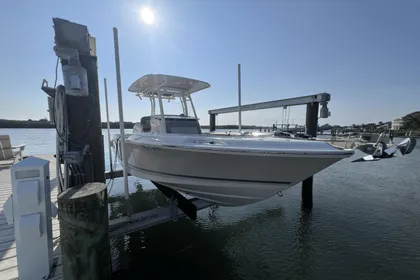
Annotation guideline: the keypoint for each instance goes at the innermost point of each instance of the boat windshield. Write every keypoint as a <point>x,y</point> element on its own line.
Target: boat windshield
<point>182,126</point>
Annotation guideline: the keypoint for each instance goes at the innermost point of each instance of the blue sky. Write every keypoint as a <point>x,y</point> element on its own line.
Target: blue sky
<point>365,53</point>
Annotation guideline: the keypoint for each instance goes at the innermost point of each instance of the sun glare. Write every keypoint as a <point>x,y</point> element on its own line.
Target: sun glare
<point>147,16</point>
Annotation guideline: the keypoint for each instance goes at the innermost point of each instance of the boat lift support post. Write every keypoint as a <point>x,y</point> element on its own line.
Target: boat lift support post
<point>82,211</point>
<point>312,103</point>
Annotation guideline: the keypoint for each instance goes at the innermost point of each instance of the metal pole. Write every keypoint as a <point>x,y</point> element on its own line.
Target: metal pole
<point>239,96</point>
<point>120,109</point>
<point>108,126</point>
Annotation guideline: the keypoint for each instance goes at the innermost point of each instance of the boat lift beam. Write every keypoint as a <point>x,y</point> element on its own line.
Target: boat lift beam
<point>321,98</point>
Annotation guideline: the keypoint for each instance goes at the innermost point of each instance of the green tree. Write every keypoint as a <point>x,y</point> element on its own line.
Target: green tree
<point>412,121</point>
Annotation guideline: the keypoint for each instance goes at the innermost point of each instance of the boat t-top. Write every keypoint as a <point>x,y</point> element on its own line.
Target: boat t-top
<point>166,88</point>
<point>231,171</point>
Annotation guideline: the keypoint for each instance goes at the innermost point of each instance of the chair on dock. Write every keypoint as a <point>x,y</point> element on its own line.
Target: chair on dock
<point>9,153</point>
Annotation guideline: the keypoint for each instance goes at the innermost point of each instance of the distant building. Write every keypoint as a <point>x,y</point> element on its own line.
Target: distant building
<point>397,124</point>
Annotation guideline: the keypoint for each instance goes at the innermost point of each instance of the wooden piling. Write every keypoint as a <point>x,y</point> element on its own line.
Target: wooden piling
<point>84,121</point>
<point>83,215</point>
<point>311,129</point>
<point>83,211</point>
<point>83,112</point>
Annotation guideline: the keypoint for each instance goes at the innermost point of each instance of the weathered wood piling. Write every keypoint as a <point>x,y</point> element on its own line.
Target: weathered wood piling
<point>83,209</point>
<point>84,227</point>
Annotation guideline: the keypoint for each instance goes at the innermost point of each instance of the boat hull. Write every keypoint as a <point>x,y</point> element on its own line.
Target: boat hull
<point>223,177</point>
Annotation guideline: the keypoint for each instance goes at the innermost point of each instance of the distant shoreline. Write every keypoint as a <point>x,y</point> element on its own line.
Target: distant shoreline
<point>44,123</point>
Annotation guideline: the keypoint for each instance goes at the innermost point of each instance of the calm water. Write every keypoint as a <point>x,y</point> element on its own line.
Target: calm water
<point>365,225</point>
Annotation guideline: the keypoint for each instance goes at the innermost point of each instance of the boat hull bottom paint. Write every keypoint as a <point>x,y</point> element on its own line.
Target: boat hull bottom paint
<point>222,178</point>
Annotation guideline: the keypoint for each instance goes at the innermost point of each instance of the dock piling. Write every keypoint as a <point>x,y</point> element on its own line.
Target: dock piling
<point>84,227</point>
<point>311,129</point>
<point>83,206</point>
<point>83,112</point>
<point>212,122</point>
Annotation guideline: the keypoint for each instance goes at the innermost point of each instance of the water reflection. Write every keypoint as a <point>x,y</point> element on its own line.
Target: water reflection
<point>303,245</point>
<point>209,248</point>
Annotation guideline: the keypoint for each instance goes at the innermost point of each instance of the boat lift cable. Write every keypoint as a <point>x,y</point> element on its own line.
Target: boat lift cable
<point>53,113</point>
<point>283,117</point>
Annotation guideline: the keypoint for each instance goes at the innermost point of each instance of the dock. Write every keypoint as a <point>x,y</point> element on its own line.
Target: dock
<point>8,260</point>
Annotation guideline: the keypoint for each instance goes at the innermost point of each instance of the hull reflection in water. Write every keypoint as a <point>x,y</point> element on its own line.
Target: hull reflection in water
<point>176,246</point>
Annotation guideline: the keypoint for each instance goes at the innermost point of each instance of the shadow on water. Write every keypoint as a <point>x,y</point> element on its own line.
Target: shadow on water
<point>183,248</point>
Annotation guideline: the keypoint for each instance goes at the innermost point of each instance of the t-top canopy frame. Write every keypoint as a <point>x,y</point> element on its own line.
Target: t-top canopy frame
<point>168,87</point>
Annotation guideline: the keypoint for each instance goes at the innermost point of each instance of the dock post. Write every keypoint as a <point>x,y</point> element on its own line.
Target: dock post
<point>83,209</point>
<point>311,129</point>
<point>83,112</point>
<point>92,117</point>
<point>212,122</point>
<point>84,229</point>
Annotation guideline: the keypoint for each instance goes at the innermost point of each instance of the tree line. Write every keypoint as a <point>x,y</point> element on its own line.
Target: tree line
<point>44,123</point>
<point>411,122</point>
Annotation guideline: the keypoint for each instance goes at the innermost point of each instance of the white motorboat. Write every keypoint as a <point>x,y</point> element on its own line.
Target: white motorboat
<point>230,171</point>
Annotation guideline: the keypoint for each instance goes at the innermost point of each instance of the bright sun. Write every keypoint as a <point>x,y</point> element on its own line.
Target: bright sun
<point>147,16</point>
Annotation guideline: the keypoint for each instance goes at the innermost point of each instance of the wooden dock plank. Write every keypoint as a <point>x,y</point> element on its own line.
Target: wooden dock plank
<point>8,260</point>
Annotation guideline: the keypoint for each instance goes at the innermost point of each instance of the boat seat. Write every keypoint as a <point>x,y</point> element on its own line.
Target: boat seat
<point>145,124</point>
